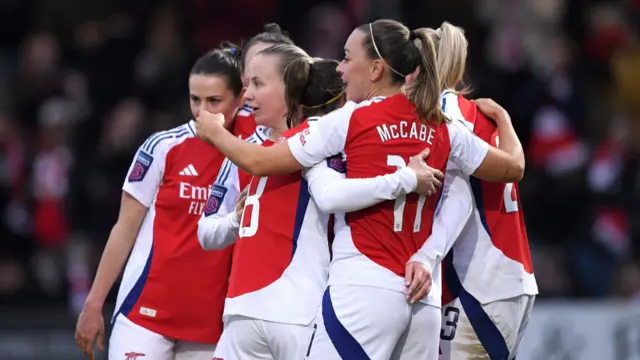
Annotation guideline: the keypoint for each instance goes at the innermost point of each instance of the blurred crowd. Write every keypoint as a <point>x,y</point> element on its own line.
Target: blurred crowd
<point>83,83</point>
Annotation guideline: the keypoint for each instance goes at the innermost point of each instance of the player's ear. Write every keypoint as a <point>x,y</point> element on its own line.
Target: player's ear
<point>376,70</point>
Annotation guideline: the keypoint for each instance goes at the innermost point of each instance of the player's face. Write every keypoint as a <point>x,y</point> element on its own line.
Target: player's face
<point>265,93</point>
<point>251,52</point>
<point>213,94</point>
<point>356,68</point>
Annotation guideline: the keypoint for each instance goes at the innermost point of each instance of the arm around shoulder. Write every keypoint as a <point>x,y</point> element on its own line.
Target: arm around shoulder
<point>476,157</point>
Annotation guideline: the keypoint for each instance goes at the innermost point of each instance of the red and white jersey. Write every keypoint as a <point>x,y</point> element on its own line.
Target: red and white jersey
<point>245,124</point>
<point>170,285</point>
<point>491,258</point>
<point>218,226</point>
<point>281,256</point>
<point>377,137</point>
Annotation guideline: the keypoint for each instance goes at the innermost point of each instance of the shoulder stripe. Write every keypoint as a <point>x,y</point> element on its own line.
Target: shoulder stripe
<point>156,135</point>
<point>225,170</point>
<point>150,146</point>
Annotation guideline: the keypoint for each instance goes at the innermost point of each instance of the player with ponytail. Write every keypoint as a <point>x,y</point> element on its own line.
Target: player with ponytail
<point>366,311</point>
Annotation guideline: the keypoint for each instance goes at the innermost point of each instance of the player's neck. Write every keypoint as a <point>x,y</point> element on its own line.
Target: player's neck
<point>276,132</point>
<point>385,91</point>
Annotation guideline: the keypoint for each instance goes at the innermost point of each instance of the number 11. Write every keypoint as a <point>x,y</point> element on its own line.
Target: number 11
<point>398,208</point>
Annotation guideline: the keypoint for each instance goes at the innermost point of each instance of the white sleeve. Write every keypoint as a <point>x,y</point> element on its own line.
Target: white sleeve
<point>450,218</point>
<point>218,226</point>
<point>467,150</point>
<point>334,193</point>
<point>323,138</point>
<point>147,169</point>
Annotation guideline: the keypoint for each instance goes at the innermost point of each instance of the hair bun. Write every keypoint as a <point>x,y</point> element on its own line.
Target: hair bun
<point>274,29</point>
<point>412,35</point>
<point>231,48</point>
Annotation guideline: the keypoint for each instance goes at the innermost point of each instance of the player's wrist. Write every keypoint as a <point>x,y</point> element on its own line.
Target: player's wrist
<point>423,259</point>
<point>94,304</point>
<point>235,220</point>
<point>409,179</point>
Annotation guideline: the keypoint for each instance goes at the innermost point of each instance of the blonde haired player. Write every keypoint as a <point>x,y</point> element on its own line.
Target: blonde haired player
<point>489,286</point>
<point>365,312</point>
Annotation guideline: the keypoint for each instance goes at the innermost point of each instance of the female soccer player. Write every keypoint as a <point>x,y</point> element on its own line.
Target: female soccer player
<point>495,296</point>
<point>272,35</point>
<point>364,311</point>
<point>172,293</point>
<point>281,256</point>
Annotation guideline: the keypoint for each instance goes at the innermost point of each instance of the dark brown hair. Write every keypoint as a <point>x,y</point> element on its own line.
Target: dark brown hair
<point>395,46</point>
<point>312,88</point>
<point>224,61</point>
<point>272,34</point>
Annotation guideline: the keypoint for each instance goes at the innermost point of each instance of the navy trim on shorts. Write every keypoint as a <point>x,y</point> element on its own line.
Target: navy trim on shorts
<point>486,330</point>
<point>345,344</point>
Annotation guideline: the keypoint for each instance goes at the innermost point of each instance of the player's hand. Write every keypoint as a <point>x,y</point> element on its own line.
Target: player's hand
<point>240,202</point>
<point>90,328</point>
<point>417,278</point>
<point>207,125</point>
<point>492,109</point>
<point>428,177</point>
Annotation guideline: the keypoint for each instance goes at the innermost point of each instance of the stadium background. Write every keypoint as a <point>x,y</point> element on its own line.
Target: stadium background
<point>82,83</point>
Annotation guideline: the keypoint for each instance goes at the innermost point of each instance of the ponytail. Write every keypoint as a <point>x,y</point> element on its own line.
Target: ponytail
<point>451,48</point>
<point>295,77</point>
<point>425,91</point>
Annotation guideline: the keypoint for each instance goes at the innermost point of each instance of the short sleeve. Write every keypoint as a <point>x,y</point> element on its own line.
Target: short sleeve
<point>467,150</point>
<point>323,138</point>
<point>147,169</point>
<point>449,101</point>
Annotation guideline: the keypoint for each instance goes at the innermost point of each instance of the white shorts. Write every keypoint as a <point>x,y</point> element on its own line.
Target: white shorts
<point>492,331</point>
<point>130,341</point>
<point>245,338</point>
<point>369,323</point>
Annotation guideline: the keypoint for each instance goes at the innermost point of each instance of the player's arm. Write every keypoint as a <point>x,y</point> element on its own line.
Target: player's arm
<point>218,226</point>
<point>509,161</point>
<point>474,156</point>
<point>334,193</point>
<point>139,190</point>
<point>324,138</point>
<point>451,216</point>
<point>121,240</point>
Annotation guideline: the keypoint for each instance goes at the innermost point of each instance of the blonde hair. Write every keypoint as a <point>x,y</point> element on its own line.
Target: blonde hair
<point>451,48</point>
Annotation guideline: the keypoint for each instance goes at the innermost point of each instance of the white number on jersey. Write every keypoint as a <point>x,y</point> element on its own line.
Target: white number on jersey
<point>510,203</point>
<point>254,201</point>
<point>398,208</point>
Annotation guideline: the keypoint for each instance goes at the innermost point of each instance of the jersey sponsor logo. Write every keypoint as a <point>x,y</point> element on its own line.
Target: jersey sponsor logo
<point>141,167</point>
<point>133,355</point>
<point>335,162</point>
<point>215,200</point>
<point>198,196</point>
<point>303,136</point>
